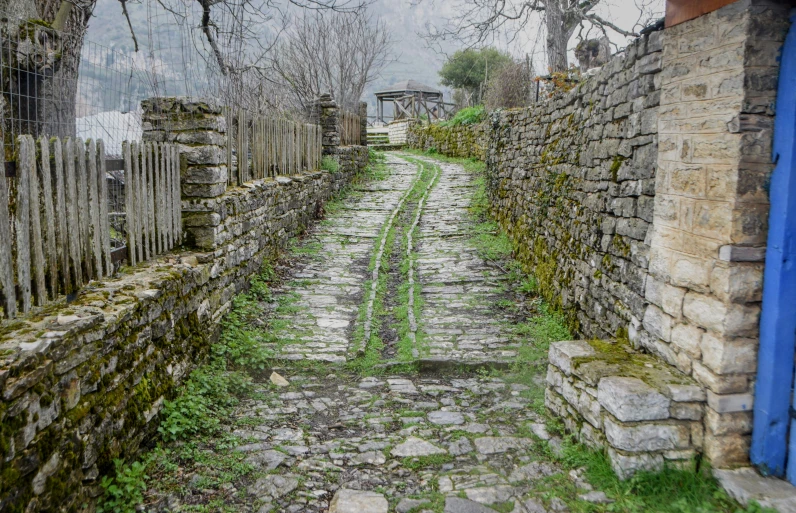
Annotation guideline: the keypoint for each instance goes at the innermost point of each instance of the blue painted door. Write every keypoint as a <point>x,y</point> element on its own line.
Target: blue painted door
<point>774,421</point>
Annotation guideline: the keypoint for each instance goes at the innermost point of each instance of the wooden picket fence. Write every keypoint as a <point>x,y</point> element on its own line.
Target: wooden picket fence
<point>262,147</point>
<point>152,199</point>
<point>54,230</point>
<point>350,130</point>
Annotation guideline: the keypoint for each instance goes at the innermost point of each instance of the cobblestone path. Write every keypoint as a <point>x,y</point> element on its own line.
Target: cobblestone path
<point>396,260</point>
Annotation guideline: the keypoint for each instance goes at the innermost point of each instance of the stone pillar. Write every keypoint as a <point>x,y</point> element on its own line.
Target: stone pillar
<point>710,218</point>
<point>363,123</point>
<point>328,115</point>
<point>198,126</point>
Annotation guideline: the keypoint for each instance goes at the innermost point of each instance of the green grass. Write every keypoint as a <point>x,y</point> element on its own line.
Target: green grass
<point>467,116</point>
<point>330,164</point>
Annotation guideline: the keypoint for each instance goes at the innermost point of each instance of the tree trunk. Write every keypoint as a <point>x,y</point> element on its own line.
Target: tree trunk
<point>556,36</point>
<point>39,68</point>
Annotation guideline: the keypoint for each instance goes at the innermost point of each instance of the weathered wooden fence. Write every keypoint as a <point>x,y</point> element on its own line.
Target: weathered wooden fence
<point>54,232</point>
<point>152,199</point>
<point>259,147</point>
<point>350,131</point>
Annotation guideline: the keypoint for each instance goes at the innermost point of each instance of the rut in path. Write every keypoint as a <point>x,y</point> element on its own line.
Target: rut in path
<point>396,260</point>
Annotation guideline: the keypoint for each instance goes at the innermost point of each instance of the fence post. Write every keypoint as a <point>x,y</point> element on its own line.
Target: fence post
<point>363,123</point>
<point>328,114</point>
<point>198,128</point>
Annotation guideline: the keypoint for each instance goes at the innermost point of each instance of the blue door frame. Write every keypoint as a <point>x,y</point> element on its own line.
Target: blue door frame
<point>775,370</point>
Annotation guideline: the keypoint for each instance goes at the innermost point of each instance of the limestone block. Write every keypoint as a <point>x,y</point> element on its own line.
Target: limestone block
<point>727,451</point>
<point>719,424</point>
<point>727,403</point>
<point>561,354</point>
<point>737,283</point>
<point>686,411</point>
<point>625,464</point>
<point>726,384</point>
<point>687,337</point>
<point>727,356</point>
<point>684,393</point>
<point>204,175</point>
<point>630,399</point>
<point>646,436</point>
<point>658,323</point>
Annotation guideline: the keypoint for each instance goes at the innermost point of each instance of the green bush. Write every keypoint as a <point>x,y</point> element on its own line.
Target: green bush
<point>467,116</point>
<point>329,164</point>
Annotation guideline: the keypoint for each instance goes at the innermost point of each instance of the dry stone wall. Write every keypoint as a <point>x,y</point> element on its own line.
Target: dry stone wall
<point>82,384</point>
<point>572,181</point>
<point>464,141</point>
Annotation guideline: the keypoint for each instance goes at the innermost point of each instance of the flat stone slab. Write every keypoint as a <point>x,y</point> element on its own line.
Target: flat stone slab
<point>414,446</point>
<point>746,485</point>
<point>445,418</point>
<point>499,444</point>
<point>632,400</point>
<point>358,501</point>
<point>459,505</point>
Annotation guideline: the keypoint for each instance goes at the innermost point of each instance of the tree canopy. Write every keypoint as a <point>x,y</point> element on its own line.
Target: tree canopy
<point>468,69</point>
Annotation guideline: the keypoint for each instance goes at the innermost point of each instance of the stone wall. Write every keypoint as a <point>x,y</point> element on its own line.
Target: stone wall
<point>572,181</point>
<point>711,209</point>
<point>639,200</point>
<point>465,141</point>
<point>83,383</point>
<point>646,414</point>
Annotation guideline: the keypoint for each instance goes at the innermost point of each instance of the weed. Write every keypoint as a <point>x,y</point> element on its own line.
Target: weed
<point>125,490</point>
<point>329,164</point>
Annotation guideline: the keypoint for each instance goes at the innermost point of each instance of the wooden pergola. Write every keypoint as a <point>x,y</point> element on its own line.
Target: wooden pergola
<point>411,99</point>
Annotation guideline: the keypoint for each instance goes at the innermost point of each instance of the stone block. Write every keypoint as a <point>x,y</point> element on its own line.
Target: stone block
<point>726,384</point>
<point>729,356</point>
<point>727,451</point>
<point>627,464</point>
<point>561,354</point>
<point>737,283</point>
<point>720,424</point>
<point>729,403</point>
<point>658,323</point>
<point>204,175</point>
<point>686,411</point>
<point>630,399</point>
<point>687,337</point>
<point>684,392</point>
<point>646,436</point>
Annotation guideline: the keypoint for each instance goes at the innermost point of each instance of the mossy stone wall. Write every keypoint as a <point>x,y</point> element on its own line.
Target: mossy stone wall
<point>82,384</point>
<point>464,141</point>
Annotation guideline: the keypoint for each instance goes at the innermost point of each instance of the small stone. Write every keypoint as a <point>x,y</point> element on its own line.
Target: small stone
<point>458,505</point>
<point>266,460</point>
<point>499,444</point>
<point>402,386</point>
<point>596,498</point>
<point>408,504</point>
<point>278,380</point>
<point>370,458</point>
<point>414,446</point>
<point>459,447</point>
<point>558,505</point>
<point>274,486</point>
<point>490,494</point>
<point>532,506</point>
<point>358,501</point>
<point>446,418</point>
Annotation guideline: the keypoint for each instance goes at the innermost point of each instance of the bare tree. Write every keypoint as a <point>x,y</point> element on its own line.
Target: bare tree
<point>478,22</point>
<point>41,89</point>
<point>510,86</point>
<point>332,52</point>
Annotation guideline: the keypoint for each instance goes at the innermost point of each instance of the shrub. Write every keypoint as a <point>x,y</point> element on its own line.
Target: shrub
<point>329,164</point>
<point>467,116</point>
